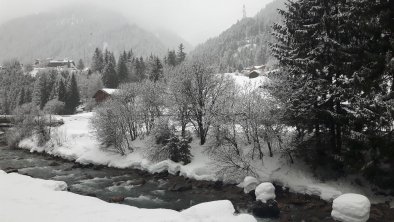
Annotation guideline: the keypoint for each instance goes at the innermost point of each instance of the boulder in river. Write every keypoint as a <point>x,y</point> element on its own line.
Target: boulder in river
<point>249,184</point>
<point>269,209</point>
<point>351,208</point>
<point>116,199</point>
<point>10,170</point>
<point>180,187</point>
<point>265,191</point>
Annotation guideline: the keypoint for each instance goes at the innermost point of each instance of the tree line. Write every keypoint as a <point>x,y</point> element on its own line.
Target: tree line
<point>131,68</point>
<point>336,82</point>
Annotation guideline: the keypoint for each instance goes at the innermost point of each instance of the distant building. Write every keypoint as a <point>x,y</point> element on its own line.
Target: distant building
<point>66,64</point>
<point>254,71</point>
<point>50,64</point>
<point>103,94</point>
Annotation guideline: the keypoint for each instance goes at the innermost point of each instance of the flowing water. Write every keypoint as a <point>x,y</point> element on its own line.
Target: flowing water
<point>138,188</point>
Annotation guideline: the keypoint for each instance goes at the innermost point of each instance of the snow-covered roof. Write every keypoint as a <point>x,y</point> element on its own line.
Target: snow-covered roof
<point>259,67</point>
<point>109,91</point>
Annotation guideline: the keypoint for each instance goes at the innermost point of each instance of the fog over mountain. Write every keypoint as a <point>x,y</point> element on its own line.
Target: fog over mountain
<point>74,31</point>
<point>194,20</point>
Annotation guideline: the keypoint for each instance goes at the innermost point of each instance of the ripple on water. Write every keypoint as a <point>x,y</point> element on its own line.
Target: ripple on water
<point>145,198</point>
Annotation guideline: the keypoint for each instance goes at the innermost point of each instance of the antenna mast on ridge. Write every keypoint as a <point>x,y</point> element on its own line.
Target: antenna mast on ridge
<point>244,12</point>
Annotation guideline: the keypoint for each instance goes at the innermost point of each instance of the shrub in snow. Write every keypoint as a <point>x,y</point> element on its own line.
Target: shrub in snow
<point>118,121</point>
<point>167,145</point>
<point>54,107</point>
<point>28,120</point>
<point>249,184</point>
<point>231,164</point>
<point>351,208</point>
<point>265,191</point>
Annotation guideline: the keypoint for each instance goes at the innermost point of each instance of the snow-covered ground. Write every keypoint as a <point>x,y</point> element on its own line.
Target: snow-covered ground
<point>75,141</point>
<point>23,198</point>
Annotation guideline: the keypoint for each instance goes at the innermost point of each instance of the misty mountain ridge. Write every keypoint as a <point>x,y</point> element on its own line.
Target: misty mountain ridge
<point>75,31</point>
<point>245,43</point>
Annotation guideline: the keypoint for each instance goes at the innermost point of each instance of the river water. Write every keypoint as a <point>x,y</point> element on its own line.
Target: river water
<point>138,188</point>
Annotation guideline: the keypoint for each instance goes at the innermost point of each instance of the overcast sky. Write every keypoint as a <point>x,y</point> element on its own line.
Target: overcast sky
<point>194,20</point>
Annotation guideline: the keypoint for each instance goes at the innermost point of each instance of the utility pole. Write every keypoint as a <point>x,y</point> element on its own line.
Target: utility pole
<point>244,12</point>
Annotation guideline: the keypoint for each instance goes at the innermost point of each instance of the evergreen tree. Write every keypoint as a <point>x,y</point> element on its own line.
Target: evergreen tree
<point>80,65</point>
<point>334,78</point>
<point>171,58</point>
<point>181,55</point>
<point>41,91</point>
<point>140,68</point>
<point>97,61</point>
<point>72,96</point>
<point>155,69</point>
<point>22,97</point>
<point>62,91</point>
<point>122,68</point>
<point>109,77</point>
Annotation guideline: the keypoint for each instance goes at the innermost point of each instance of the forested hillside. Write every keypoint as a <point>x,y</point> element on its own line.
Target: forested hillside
<point>244,43</point>
<point>74,32</point>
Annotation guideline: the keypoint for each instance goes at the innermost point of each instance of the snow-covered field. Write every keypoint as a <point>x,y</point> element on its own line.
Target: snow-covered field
<point>23,198</point>
<point>75,141</point>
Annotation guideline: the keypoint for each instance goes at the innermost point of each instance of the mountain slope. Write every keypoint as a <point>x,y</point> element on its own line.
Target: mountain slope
<point>244,43</point>
<point>74,32</point>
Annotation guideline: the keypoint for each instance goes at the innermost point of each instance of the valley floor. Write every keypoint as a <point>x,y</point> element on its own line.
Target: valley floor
<point>75,141</point>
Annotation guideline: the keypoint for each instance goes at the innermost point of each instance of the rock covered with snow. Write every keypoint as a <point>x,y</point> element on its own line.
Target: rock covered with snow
<point>351,208</point>
<point>250,183</point>
<point>265,191</point>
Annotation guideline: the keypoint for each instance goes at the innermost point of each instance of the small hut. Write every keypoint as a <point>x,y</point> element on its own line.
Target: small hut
<point>103,94</point>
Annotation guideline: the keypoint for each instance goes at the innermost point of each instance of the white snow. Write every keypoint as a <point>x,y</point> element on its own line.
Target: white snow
<point>76,141</point>
<point>109,91</point>
<point>351,208</point>
<point>23,198</point>
<point>250,183</point>
<point>265,191</point>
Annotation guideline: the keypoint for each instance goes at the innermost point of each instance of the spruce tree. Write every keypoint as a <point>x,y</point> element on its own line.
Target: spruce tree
<point>22,97</point>
<point>80,65</point>
<point>171,58</point>
<point>72,96</point>
<point>62,91</point>
<point>140,68</point>
<point>122,68</point>
<point>97,61</point>
<point>181,55</point>
<point>155,69</point>
<point>109,77</point>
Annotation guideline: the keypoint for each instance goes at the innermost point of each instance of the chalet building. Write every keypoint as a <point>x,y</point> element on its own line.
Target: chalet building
<point>67,64</point>
<point>50,64</point>
<point>103,94</point>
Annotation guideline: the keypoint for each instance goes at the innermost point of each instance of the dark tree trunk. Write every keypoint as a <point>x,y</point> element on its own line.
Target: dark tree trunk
<point>338,131</point>
<point>270,148</point>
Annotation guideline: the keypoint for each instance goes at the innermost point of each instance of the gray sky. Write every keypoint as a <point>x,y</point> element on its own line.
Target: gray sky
<point>194,20</point>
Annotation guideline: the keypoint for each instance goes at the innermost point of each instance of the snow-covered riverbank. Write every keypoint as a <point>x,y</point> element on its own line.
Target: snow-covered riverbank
<point>75,141</point>
<point>23,198</point>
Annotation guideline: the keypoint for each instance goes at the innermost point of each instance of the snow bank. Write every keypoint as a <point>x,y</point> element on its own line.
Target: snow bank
<point>23,198</point>
<point>75,141</point>
<point>265,191</point>
<point>249,184</point>
<point>351,208</point>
